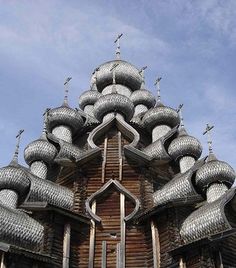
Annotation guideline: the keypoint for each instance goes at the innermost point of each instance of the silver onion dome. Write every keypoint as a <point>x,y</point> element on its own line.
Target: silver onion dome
<point>184,145</point>
<point>14,178</point>
<point>64,115</point>
<point>214,171</point>
<point>160,115</point>
<point>88,98</point>
<point>144,97</point>
<point>40,150</point>
<point>113,103</point>
<point>126,74</point>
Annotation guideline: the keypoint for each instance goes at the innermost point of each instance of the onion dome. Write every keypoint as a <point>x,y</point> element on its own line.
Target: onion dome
<point>214,171</point>
<point>126,75</point>
<point>40,149</point>
<point>13,177</point>
<point>184,145</point>
<point>160,115</point>
<point>64,115</point>
<point>88,98</point>
<point>120,89</point>
<point>113,103</point>
<point>144,97</point>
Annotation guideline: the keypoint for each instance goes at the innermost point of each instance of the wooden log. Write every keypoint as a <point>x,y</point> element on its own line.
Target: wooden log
<point>66,246</point>
<point>104,254</point>
<point>92,238</point>
<point>3,263</point>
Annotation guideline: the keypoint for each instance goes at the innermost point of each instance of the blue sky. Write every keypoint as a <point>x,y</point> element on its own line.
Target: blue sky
<point>191,44</point>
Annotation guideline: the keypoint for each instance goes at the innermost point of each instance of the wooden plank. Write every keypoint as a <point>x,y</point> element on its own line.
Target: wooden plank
<point>3,264</point>
<point>122,231</point>
<point>155,246</point>
<point>66,246</point>
<point>92,238</point>
<point>104,160</point>
<point>104,254</point>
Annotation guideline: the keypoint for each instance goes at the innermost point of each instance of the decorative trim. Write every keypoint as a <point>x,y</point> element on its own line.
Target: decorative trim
<point>103,189</point>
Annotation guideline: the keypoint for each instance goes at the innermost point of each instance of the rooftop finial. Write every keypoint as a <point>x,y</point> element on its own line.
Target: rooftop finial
<point>66,85</point>
<point>113,70</point>
<point>45,121</point>
<point>157,83</point>
<point>179,111</point>
<point>117,41</point>
<point>141,72</point>
<point>16,153</point>
<point>209,139</point>
<point>94,81</point>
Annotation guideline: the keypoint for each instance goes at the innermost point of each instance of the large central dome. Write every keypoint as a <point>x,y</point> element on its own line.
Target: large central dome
<point>126,74</point>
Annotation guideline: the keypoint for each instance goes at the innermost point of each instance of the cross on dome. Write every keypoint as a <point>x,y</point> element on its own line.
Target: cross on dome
<point>209,138</point>
<point>179,111</point>
<point>66,85</point>
<point>16,153</point>
<point>117,42</point>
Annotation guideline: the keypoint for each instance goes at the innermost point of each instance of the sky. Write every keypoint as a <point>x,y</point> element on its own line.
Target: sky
<point>191,44</point>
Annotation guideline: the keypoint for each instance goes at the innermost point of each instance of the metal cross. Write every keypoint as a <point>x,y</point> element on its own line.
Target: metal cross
<point>66,84</point>
<point>45,121</point>
<point>179,111</point>
<point>18,137</point>
<point>157,83</point>
<point>117,41</point>
<point>209,139</point>
<point>141,72</point>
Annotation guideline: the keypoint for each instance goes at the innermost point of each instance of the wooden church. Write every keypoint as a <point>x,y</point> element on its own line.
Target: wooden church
<point>117,183</point>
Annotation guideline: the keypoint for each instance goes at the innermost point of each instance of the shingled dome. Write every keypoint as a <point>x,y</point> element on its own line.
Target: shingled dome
<point>12,177</point>
<point>144,97</point>
<point>64,115</point>
<point>88,98</point>
<point>113,103</point>
<point>214,171</point>
<point>184,145</point>
<point>161,115</point>
<point>126,74</point>
<point>40,150</point>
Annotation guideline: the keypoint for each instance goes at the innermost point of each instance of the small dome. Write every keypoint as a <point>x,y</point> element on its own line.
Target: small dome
<point>144,97</point>
<point>14,178</point>
<point>214,171</point>
<point>185,145</point>
<point>40,150</point>
<point>120,89</point>
<point>126,74</point>
<point>64,115</point>
<point>88,98</point>
<point>160,115</point>
<point>113,103</point>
